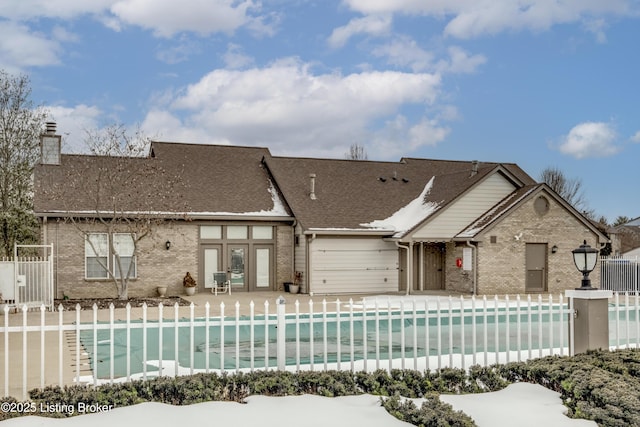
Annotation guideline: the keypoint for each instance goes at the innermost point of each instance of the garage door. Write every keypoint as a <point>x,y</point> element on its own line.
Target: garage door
<point>353,266</point>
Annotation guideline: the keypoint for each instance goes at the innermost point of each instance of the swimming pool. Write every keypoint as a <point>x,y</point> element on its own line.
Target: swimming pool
<point>234,343</point>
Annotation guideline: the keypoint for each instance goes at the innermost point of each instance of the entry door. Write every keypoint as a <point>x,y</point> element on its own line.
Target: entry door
<point>536,267</point>
<point>237,265</point>
<point>433,267</point>
<point>212,257</point>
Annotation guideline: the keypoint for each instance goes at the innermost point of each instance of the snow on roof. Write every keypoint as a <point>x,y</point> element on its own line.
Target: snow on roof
<point>278,210</point>
<point>408,216</point>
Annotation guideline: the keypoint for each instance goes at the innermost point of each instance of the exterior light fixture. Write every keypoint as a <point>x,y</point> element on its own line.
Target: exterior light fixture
<point>585,258</point>
<point>554,249</point>
<point>167,245</point>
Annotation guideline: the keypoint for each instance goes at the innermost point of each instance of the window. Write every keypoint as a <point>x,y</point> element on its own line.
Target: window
<point>96,253</point>
<point>237,232</point>
<point>211,232</point>
<point>262,232</point>
<point>124,247</point>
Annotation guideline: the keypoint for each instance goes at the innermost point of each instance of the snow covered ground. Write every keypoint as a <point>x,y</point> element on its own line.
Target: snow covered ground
<point>519,404</point>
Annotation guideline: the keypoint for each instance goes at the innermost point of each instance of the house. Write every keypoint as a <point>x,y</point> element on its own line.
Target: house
<point>627,239</point>
<point>348,226</point>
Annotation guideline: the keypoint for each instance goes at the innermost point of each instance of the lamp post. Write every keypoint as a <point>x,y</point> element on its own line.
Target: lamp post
<point>585,258</point>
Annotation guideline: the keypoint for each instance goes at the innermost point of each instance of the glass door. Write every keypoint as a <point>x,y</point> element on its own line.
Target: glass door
<point>211,264</point>
<point>236,264</point>
<point>263,267</point>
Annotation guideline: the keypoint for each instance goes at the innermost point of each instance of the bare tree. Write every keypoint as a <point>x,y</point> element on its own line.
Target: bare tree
<point>356,152</point>
<point>20,127</point>
<point>568,189</point>
<point>118,192</point>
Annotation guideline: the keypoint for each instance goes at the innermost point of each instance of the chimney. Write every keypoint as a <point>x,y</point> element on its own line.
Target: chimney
<point>312,179</point>
<point>50,145</point>
<point>51,128</point>
<point>474,168</point>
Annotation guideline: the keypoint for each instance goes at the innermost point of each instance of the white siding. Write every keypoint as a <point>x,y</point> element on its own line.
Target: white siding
<point>468,208</point>
<point>344,265</point>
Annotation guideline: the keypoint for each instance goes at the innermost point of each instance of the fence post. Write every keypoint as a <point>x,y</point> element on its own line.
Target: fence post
<point>591,320</point>
<point>281,336</point>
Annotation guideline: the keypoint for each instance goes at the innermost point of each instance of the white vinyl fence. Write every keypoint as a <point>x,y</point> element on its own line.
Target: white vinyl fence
<point>620,274</point>
<point>42,349</point>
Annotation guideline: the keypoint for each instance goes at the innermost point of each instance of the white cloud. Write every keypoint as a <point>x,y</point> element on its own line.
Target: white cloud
<point>403,51</point>
<point>590,139</point>
<point>373,25</point>
<point>65,9</point>
<point>292,110</point>
<point>20,48</point>
<point>73,122</point>
<point>473,18</point>
<point>636,137</point>
<point>168,17</point>
<point>460,62</point>
<point>235,58</point>
<point>400,137</point>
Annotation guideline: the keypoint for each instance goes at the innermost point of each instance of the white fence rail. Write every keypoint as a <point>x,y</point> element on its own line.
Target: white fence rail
<point>427,333</point>
<point>620,274</point>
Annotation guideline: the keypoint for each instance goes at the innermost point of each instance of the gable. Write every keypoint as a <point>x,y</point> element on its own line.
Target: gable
<point>553,208</point>
<point>466,209</point>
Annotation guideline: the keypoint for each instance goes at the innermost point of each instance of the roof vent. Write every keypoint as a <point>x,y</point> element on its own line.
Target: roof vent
<point>474,168</point>
<point>383,179</point>
<point>405,180</point>
<point>312,182</point>
<point>395,176</point>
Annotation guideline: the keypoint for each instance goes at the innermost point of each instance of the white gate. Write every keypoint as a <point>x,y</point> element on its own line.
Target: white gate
<point>620,274</point>
<point>28,280</point>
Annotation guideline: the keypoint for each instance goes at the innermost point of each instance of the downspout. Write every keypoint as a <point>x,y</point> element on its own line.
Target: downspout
<point>474,276</point>
<point>307,242</point>
<point>408,265</point>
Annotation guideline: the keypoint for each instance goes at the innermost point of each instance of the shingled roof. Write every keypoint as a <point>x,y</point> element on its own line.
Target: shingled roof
<point>214,181</point>
<point>350,194</point>
<point>206,180</point>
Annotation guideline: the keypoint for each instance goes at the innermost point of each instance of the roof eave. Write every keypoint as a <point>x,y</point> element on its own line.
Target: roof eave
<point>347,232</point>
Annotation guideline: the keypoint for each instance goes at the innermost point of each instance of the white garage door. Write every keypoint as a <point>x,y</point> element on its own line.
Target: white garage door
<point>353,266</point>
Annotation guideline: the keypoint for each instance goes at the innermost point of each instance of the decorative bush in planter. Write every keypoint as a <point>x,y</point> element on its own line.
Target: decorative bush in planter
<point>189,284</point>
<point>294,288</point>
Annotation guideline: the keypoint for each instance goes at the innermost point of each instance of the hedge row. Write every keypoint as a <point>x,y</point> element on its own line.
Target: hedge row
<point>601,386</point>
<point>187,390</point>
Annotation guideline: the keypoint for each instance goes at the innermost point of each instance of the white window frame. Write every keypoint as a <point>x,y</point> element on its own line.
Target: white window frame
<point>102,245</point>
<point>89,252</point>
<point>116,244</point>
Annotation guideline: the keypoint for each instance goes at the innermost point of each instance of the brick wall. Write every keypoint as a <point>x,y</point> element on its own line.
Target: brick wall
<point>284,255</point>
<point>457,279</point>
<point>168,266</point>
<point>501,265</point>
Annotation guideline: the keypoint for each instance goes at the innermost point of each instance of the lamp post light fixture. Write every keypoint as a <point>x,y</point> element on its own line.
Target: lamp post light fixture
<point>167,245</point>
<point>585,258</point>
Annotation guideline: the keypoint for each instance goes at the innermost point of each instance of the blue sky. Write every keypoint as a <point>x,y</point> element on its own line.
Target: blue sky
<point>536,82</point>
